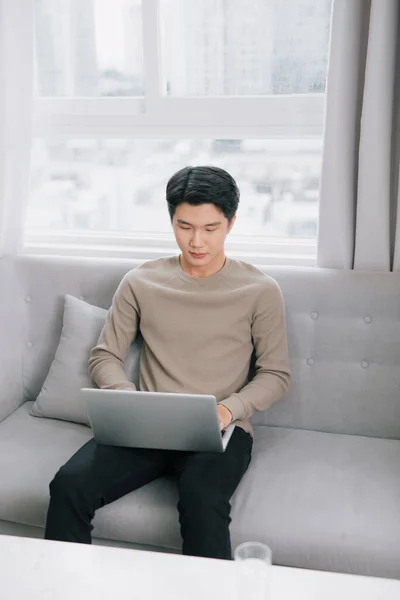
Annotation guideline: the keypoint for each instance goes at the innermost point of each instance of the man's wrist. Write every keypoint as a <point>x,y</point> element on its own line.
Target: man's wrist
<point>230,413</point>
<point>235,406</point>
<point>227,411</point>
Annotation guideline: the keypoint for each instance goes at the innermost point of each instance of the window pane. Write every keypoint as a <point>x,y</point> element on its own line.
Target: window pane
<point>119,184</point>
<point>237,47</point>
<point>89,48</point>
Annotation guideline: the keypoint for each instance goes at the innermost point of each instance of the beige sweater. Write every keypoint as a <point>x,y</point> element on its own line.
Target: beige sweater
<point>199,335</point>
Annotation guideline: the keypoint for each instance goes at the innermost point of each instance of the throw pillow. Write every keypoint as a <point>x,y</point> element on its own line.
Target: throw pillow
<point>59,397</point>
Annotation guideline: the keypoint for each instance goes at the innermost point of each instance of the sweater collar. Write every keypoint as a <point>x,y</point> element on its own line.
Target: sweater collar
<point>203,282</point>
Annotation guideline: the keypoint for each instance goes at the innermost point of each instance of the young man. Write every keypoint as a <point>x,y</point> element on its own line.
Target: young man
<point>201,315</point>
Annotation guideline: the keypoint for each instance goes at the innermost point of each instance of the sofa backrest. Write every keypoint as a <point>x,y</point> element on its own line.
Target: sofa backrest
<point>344,344</point>
<point>343,331</point>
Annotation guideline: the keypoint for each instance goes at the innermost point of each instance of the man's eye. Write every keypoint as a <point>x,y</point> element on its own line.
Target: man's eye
<point>185,228</point>
<point>210,230</point>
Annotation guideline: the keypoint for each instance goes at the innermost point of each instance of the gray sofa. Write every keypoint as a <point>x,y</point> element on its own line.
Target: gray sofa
<point>323,488</point>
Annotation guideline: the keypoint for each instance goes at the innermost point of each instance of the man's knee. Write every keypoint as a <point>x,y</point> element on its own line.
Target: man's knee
<point>203,500</point>
<point>65,484</point>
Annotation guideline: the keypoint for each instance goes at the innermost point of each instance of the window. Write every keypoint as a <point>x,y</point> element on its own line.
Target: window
<point>118,185</point>
<point>232,48</point>
<point>130,91</point>
<point>88,48</point>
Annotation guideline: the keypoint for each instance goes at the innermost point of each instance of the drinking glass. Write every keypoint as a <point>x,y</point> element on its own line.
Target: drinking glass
<point>254,561</point>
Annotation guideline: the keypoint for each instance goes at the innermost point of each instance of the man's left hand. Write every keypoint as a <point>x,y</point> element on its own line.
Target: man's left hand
<point>224,416</point>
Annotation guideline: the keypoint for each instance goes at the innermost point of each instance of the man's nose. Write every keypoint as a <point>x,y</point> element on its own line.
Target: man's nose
<point>197,240</point>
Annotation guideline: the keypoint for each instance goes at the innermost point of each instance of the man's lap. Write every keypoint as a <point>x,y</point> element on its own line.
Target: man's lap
<point>100,468</point>
<point>222,471</point>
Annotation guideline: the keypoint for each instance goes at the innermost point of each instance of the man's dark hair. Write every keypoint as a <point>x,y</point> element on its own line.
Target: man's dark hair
<point>203,185</point>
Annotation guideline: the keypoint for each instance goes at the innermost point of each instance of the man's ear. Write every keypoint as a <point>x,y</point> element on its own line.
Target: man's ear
<point>231,224</point>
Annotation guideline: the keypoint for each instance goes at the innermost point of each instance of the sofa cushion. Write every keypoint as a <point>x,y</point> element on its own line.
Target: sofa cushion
<point>31,452</point>
<point>325,501</point>
<point>59,397</point>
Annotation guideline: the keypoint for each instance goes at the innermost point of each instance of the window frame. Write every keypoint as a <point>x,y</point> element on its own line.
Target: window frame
<point>146,246</point>
<point>155,116</point>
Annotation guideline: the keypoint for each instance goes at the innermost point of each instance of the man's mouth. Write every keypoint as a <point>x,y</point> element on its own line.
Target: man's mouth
<point>198,254</point>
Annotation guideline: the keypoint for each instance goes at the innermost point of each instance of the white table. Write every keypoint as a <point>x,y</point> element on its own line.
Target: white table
<point>42,570</point>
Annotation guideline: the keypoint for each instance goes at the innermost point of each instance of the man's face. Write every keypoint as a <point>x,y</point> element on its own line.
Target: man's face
<point>200,232</point>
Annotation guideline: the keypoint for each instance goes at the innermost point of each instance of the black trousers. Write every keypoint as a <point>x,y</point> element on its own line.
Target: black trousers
<point>97,475</point>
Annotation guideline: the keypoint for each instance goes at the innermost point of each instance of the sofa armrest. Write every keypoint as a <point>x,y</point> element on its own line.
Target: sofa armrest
<point>12,321</point>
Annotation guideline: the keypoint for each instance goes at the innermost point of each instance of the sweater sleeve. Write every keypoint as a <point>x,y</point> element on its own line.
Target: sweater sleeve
<point>106,362</point>
<point>272,377</point>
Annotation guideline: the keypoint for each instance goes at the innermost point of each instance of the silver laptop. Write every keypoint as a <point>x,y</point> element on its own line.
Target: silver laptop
<point>155,420</point>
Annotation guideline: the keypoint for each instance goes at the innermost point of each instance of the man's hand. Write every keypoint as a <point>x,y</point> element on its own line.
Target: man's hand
<point>224,416</point>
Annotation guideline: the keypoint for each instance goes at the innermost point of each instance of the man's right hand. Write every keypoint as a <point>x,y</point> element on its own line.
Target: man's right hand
<point>224,416</point>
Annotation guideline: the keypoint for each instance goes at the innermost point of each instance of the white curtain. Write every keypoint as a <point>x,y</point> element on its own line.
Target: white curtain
<point>16,107</point>
<point>359,211</point>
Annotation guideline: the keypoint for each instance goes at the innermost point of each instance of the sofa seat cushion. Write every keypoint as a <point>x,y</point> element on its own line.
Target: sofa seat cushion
<point>31,452</point>
<point>323,501</point>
